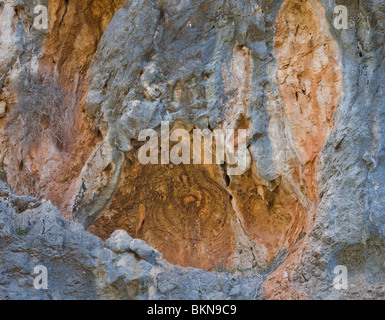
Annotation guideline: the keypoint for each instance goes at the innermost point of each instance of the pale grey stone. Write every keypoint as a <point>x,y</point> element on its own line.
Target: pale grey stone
<point>119,241</point>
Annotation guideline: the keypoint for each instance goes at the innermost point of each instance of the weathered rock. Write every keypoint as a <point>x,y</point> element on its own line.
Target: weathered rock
<point>309,95</point>
<point>344,228</point>
<point>3,109</point>
<point>208,218</point>
<point>63,52</point>
<point>81,266</point>
<point>144,251</point>
<point>119,241</point>
<point>41,237</point>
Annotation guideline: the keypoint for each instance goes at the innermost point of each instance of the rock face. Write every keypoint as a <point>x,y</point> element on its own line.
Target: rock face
<point>75,97</point>
<point>80,266</point>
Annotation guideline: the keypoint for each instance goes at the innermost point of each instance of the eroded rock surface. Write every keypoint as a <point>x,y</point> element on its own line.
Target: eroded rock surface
<point>80,265</point>
<point>308,95</point>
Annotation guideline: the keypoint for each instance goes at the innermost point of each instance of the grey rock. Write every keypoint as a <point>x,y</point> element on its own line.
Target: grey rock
<point>144,251</point>
<point>349,219</point>
<point>22,203</point>
<point>81,266</point>
<point>5,189</point>
<point>40,236</point>
<point>119,241</point>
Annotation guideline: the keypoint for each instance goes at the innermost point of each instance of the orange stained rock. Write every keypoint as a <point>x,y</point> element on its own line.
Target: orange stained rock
<point>309,79</point>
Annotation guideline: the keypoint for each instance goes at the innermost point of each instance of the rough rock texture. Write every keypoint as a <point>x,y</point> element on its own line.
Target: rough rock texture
<point>63,53</point>
<point>347,227</point>
<point>309,95</point>
<point>206,215</point>
<point>81,266</point>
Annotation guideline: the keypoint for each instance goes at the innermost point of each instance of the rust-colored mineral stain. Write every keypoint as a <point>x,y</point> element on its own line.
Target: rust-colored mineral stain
<point>69,49</point>
<point>270,217</point>
<point>183,211</point>
<point>309,79</point>
<point>75,30</point>
<point>192,213</point>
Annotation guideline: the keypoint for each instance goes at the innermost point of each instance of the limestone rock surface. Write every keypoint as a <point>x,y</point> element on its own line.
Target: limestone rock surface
<point>75,198</point>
